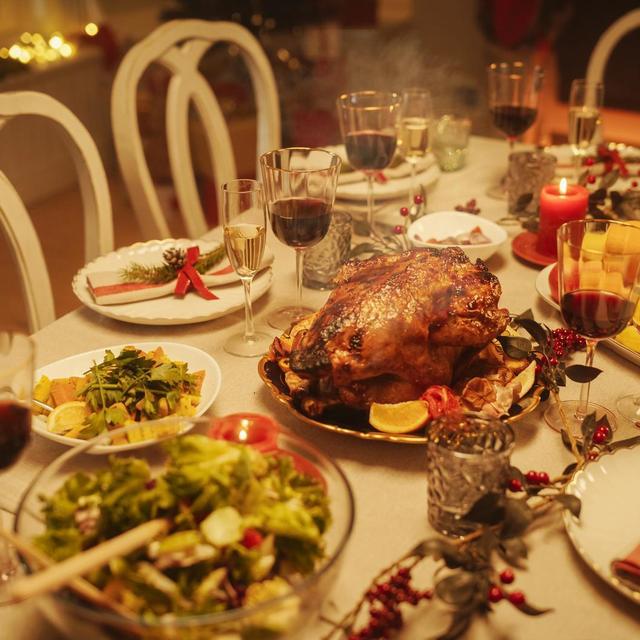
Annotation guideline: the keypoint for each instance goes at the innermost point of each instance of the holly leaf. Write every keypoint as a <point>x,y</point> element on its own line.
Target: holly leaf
<point>571,468</point>
<point>609,179</point>
<point>437,548</point>
<point>537,331</point>
<point>621,444</point>
<point>457,588</point>
<point>513,550</point>
<point>530,610</point>
<point>517,517</point>
<point>460,622</point>
<point>597,196</point>
<point>515,347</point>
<point>588,428</point>
<point>566,442</point>
<point>581,373</point>
<point>489,509</point>
<point>525,315</point>
<point>570,502</point>
<point>523,201</point>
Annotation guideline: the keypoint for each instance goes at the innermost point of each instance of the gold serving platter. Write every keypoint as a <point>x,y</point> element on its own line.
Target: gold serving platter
<point>354,423</point>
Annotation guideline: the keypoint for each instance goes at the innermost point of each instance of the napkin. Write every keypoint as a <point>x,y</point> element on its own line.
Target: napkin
<point>107,287</point>
<point>627,569</point>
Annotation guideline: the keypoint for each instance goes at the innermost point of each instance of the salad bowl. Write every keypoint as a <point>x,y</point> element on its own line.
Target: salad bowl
<point>277,614</point>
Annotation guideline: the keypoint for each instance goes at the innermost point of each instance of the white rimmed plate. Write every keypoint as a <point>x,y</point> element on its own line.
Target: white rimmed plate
<point>544,291</point>
<point>77,365</point>
<point>168,310</point>
<point>609,523</point>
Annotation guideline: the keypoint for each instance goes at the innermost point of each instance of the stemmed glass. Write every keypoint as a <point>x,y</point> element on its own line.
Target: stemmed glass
<point>585,102</point>
<point>16,381</point>
<point>513,102</point>
<point>369,125</point>
<point>245,231</point>
<point>300,188</point>
<point>629,405</point>
<point>416,114</point>
<point>598,291</point>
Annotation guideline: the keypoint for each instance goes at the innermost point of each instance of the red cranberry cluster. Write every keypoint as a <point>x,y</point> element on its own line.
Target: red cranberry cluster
<point>589,162</point>
<point>384,605</point>
<point>470,207</point>
<point>532,477</point>
<point>565,341</point>
<point>601,435</point>
<point>496,594</point>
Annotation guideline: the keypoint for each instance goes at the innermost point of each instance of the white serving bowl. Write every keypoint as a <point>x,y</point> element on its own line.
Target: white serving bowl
<point>443,224</point>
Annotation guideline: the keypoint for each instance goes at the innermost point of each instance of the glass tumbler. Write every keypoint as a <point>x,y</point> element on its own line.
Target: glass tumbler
<point>322,262</point>
<point>450,141</point>
<point>528,172</point>
<point>467,458</point>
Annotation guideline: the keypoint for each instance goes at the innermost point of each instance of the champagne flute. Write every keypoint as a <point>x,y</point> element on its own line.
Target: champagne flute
<point>585,102</point>
<point>369,126</point>
<point>416,114</point>
<point>300,188</point>
<point>245,232</point>
<point>598,291</point>
<point>16,381</point>
<point>513,102</point>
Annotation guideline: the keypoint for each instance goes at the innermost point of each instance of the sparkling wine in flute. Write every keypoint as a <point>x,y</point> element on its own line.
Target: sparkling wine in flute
<point>300,222</point>
<point>583,123</point>
<point>245,246</point>
<point>413,137</point>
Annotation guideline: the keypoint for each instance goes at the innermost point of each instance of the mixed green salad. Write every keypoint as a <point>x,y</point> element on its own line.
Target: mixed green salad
<point>244,527</point>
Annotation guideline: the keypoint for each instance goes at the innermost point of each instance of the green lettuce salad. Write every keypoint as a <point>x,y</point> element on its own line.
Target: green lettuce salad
<point>244,527</point>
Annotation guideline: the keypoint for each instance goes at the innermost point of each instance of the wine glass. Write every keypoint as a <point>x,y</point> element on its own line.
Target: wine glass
<point>369,126</point>
<point>585,102</point>
<point>16,381</point>
<point>629,405</point>
<point>598,292</point>
<point>416,114</point>
<point>300,188</point>
<point>513,102</point>
<point>245,232</point>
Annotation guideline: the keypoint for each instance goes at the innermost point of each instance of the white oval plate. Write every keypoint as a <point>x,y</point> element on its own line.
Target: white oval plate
<point>77,365</point>
<point>168,310</point>
<point>543,289</point>
<point>609,523</point>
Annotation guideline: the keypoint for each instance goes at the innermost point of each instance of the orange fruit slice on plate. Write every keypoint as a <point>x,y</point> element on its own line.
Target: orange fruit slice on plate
<point>67,419</point>
<point>401,417</point>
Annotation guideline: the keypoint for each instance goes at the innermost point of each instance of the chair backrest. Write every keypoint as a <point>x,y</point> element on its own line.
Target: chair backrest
<point>179,46</point>
<point>607,42</point>
<point>14,218</point>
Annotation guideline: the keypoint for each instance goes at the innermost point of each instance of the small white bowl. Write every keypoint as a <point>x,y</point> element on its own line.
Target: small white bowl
<point>443,224</point>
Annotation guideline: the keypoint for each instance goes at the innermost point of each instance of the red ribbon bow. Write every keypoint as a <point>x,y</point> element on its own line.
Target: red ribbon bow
<point>188,277</point>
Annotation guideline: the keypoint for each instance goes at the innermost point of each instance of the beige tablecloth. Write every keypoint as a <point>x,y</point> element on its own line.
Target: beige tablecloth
<point>388,480</point>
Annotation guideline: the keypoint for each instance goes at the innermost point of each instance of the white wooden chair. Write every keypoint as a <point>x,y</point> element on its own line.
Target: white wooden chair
<point>15,222</point>
<point>179,46</point>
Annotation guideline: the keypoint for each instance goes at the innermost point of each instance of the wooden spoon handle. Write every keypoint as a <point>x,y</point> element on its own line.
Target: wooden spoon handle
<point>62,573</point>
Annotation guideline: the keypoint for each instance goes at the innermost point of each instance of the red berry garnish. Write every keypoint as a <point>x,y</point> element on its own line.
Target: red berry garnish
<point>495,594</point>
<point>601,435</point>
<point>634,183</point>
<point>517,598</point>
<point>538,369</point>
<point>418,199</point>
<point>427,594</point>
<point>532,477</point>
<point>593,455</point>
<point>398,229</point>
<point>589,162</point>
<point>515,485</point>
<point>251,538</point>
<point>553,361</point>
<point>543,477</point>
<point>404,211</point>
<point>507,576</point>
<point>591,179</point>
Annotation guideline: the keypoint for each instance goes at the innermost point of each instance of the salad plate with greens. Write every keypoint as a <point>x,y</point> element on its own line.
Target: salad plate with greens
<point>103,390</point>
<point>252,543</point>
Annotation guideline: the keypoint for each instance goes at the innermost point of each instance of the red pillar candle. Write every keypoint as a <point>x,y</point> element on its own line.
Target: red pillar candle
<point>559,204</point>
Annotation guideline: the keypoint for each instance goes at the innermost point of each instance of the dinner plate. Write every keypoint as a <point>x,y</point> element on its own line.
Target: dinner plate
<point>77,365</point>
<point>398,181</point>
<point>609,523</point>
<point>544,291</point>
<point>168,310</point>
<point>354,423</point>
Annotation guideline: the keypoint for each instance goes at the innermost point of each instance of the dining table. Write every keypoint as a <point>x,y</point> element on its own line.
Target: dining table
<point>388,479</point>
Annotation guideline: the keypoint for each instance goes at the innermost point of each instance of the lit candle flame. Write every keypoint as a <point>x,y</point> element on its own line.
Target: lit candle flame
<point>563,187</point>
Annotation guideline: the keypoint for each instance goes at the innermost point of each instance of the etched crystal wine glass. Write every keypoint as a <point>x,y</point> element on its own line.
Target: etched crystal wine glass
<point>245,232</point>
<point>599,287</point>
<point>300,189</point>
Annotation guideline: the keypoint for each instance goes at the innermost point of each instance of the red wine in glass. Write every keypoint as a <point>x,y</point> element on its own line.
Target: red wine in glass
<point>370,150</point>
<point>300,222</point>
<point>15,431</point>
<point>513,120</point>
<point>596,314</point>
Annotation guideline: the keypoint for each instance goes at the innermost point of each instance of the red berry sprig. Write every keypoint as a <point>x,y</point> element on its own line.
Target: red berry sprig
<point>601,435</point>
<point>564,342</point>
<point>537,477</point>
<point>469,207</point>
<point>384,605</point>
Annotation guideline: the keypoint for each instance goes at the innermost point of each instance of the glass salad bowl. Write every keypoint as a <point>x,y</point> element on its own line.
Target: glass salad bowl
<point>270,585</point>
